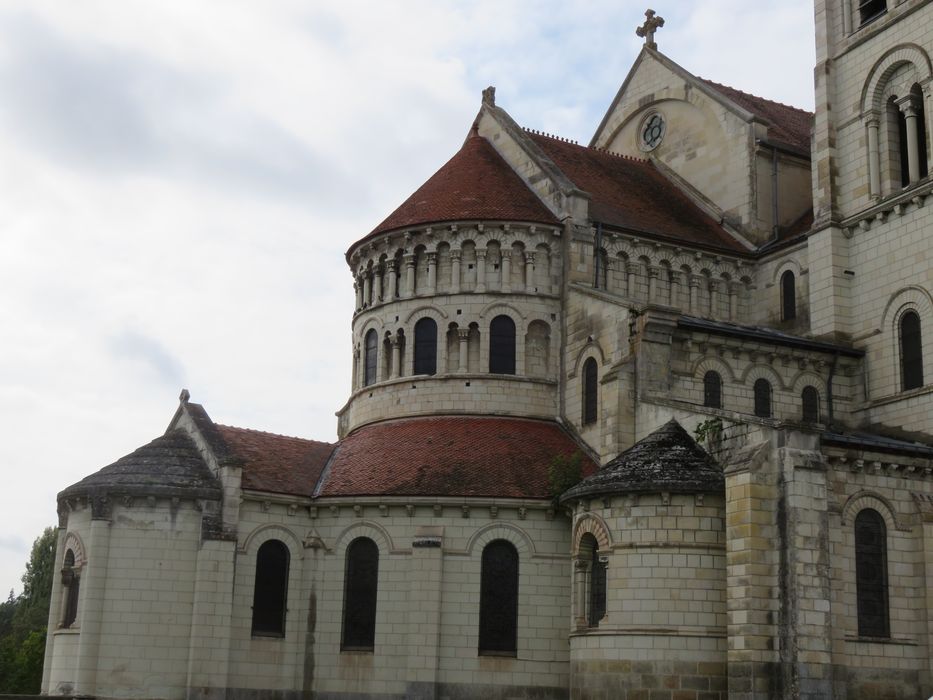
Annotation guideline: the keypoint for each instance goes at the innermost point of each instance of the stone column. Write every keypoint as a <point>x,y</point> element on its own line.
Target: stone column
<point>847,16</point>
<point>396,357</point>
<point>694,292</point>
<point>392,279</point>
<point>454,271</point>
<point>358,291</point>
<point>93,596</point>
<point>733,301</point>
<point>580,570</point>
<point>909,109</point>
<point>506,271</point>
<point>653,285</point>
<point>463,338</point>
<point>874,157</point>
<point>676,282</point>
<point>713,292</point>
<point>630,280</point>
<point>409,290</point>
<point>367,290</point>
<point>432,272</point>
<point>480,270</point>
<point>424,612</point>
<point>529,272</point>
<point>377,285</point>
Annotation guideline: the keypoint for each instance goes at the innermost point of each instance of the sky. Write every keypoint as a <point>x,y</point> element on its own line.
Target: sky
<point>179,182</point>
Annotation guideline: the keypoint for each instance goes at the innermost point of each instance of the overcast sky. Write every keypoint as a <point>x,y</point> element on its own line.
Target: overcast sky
<point>179,181</point>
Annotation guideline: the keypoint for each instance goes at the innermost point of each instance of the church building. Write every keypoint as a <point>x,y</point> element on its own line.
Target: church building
<point>648,417</point>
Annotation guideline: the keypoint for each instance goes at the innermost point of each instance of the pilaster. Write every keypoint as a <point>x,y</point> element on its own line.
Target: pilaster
<point>93,596</point>
<point>424,617</point>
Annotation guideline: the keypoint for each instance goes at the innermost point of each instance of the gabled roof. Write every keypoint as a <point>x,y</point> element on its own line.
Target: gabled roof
<point>277,463</point>
<point>789,126</point>
<point>476,184</point>
<point>449,456</point>
<point>632,194</point>
<point>666,460</point>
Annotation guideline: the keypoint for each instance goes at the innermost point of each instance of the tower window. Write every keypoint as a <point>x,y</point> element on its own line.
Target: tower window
<point>810,405</point>
<point>359,595</point>
<point>70,581</point>
<point>369,359</point>
<point>911,351</point>
<point>762,398</point>
<point>498,600</point>
<point>870,9</point>
<point>426,346</point>
<point>788,296</point>
<point>270,591</point>
<point>871,574</point>
<point>502,345</point>
<point>590,388</point>
<point>712,390</point>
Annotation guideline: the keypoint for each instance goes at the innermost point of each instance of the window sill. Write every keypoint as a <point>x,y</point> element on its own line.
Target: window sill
<point>499,654</point>
<point>883,640</point>
<point>367,651</point>
<point>267,635</point>
<point>67,630</point>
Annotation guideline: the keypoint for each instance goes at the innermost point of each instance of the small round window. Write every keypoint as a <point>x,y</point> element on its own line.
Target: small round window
<point>652,131</point>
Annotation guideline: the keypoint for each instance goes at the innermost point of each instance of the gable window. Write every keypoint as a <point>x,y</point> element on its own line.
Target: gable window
<point>70,581</point>
<point>788,297</point>
<point>270,590</point>
<point>369,357</point>
<point>911,351</point>
<point>498,600</point>
<point>712,390</point>
<point>870,9</point>
<point>810,405</point>
<point>502,345</point>
<point>762,398</point>
<point>871,574</point>
<point>426,346</point>
<point>360,586</point>
<point>590,388</point>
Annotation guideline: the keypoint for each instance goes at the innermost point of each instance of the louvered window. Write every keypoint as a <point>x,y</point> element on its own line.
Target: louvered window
<point>359,595</point>
<point>712,390</point>
<point>426,346</point>
<point>370,355</point>
<point>788,296</point>
<point>590,389</point>
<point>762,398</point>
<point>810,405</point>
<point>911,351</point>
<point>502,345</point>
<point>270,591</point>
<point>70,581</point>
<point>498,600</point>
<point>597,590</point>
<point>871,574</point>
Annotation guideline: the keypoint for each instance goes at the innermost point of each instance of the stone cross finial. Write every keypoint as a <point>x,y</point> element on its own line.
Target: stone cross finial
<point>652,23</point>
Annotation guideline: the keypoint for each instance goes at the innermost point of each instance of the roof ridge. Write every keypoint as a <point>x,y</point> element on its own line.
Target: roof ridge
<point>551,136</point>
<point>594,149</point>
<point>266,432</point>
<point>757,97</point>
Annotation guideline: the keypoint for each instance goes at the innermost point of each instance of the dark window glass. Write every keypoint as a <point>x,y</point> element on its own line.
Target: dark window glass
<point>597,590</point>
<point>869,9</point>
<point>590,389</point>
<point>70,580</point>
<point>426,346</point>
<point>712,390</point>
<point>788,296</point>
<point>810,405</point>
<point>502,345</point>
<point>271,589</point>
<point>871,574</point>
<point>921,131</point>
<point>762,398</point>
<point>359,595</point>
<point>902,147</point>
<point>498,599</point>
<point>372,342</point>
<point>911,351</point>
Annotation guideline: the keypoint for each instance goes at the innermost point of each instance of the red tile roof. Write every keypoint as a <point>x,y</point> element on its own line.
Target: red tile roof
<point>449,456</point>
<point>786,124</point>
<point>632,194</point>
<point>475,184</point>
<point>277,463</point>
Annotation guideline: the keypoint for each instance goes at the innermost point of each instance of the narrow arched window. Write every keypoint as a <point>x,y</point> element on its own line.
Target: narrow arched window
<point>597,609</point>
<point>870,9</point>
<point>426,346</point>
<point>270,591</point>
<point>370,355</point>
<point>590,389</point>
<point>871,574</point>
<point>788,296</point>
<point>810,405</point>
<point>502,345</point>
<point>498,600</point>
<point>911,351</point>
<point>762,398</point>
<point>712,390</point>
<point>70,581</point>
<point>360,586</point>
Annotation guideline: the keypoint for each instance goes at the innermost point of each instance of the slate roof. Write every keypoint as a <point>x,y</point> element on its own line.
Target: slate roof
<point>277,463</point>
<point>632,194</point>
<point>476,184</point>
<point>668,459</point>
<point>449,456</point>
<point>788,126</point>
<point>169,466</point>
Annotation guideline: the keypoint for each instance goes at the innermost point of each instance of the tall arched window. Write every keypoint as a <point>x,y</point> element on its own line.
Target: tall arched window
<point>498,599</point>
<point>426,346</point>
<point>911,351</point>
<point>360,586</point>
<point>270,591</point>
<point>502,345</point>
<point>712,390</point>
<point>595,587</point>
<point>810,405</point>
<point>370,354</point>
<point>590,389</point>
<point>762,398</point>
<point>788,296</point>
<point>70,581</point>
<point>871,574</point>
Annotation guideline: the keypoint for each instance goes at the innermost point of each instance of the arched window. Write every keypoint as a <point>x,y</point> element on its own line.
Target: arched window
<point>590,389</point>
<point>870,9</point>
<point>70,581</point>
<point>360,585</point>
<point>762,398</point>
<point>270,591</point>
<point>871,574</point>
<point>810,405</point>
<point>911,351</point>
<point>712,390</point>
<point>502,345</point>
<point>369,359</point>
<point>426,346</point>
<point>498,600</point>
<point>788,296</point>
<point>595,586</point>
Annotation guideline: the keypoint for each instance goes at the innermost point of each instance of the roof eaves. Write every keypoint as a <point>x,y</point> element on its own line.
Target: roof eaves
<point>763,336</point>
